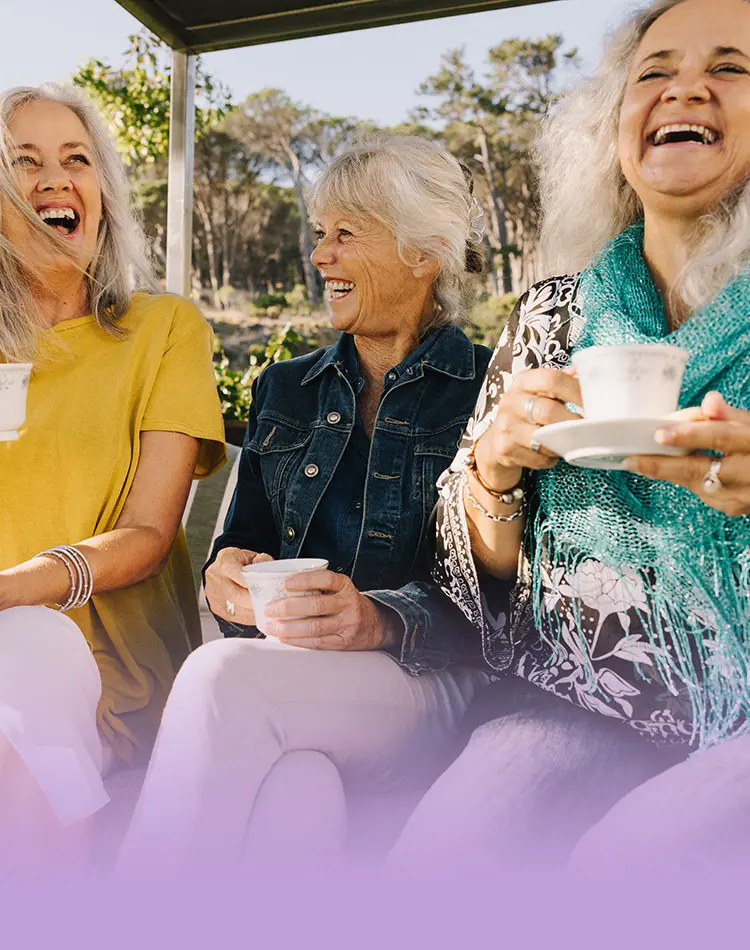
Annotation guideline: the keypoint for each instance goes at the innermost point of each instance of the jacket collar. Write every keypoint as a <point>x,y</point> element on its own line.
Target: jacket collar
<point>446,350</point>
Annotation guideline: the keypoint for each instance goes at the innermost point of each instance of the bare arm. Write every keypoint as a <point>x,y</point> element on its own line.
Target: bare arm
<point>139,545</point>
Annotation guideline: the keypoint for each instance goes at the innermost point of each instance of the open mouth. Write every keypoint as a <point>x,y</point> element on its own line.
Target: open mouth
<point>338,289</point>
<point>64,220</point>
<point>684,135</point>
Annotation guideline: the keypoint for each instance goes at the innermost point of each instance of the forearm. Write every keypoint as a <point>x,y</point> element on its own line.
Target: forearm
<point>495,546</point>
<point>119,558</point>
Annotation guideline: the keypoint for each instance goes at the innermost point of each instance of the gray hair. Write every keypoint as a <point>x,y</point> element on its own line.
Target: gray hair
<point>120,263</point>
<point>585,198</point>
<point>421,193</point>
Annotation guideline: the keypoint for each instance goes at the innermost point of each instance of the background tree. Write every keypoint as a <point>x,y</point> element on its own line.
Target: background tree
<point>296,139</point>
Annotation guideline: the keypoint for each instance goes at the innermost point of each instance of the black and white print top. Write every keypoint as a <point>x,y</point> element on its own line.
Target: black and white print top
<point>614,674</point>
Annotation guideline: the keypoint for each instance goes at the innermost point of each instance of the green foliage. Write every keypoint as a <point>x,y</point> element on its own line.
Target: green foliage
<point>235,386</point>
<point>488,318</point>
<point>263,301</point>
<point>135,99</point>
<point>297,300</point>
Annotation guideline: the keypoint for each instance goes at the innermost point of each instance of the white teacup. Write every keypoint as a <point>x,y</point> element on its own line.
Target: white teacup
<point>14,385</point>
<point>630,381</point>
<point>265,581</point>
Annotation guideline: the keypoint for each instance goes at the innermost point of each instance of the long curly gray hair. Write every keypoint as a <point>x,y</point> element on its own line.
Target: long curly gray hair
<point>585,198</point>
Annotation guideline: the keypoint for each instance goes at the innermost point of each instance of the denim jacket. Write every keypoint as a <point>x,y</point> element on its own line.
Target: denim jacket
<point>301,437</point>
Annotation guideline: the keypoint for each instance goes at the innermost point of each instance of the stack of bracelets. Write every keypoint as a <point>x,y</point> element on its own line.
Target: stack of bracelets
<point>79,570</point>
<point>509,496</point>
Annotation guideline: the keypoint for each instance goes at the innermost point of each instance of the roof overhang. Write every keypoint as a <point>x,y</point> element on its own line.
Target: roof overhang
<point>199,27</point>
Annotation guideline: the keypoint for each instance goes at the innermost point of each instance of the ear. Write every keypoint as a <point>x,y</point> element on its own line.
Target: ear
<point>425,267</point>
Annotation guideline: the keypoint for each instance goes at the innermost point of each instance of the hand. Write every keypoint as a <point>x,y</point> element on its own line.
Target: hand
<point>717,427</point>
<point>505,449</point>
<point>224,582</point>
<point>338,619</point>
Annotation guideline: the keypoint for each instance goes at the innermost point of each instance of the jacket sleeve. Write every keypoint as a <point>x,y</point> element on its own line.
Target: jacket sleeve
<point>249,523</point>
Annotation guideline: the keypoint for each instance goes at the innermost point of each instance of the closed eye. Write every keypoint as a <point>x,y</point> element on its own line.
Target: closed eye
<point>730,68</point>
<point>24,160</point>
<point>653,74</point>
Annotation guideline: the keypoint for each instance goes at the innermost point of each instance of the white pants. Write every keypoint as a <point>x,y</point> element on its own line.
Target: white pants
<point>239,708</point>
<point>49,691</point>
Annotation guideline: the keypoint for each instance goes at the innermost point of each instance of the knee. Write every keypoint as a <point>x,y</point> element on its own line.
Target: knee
<point>217,678</point>
<point>37,637</point>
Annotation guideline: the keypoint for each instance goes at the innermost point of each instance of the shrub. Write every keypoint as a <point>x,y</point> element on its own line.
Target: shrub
<point>488,318</point>
<point>235,386</point>
<point>264,301</point>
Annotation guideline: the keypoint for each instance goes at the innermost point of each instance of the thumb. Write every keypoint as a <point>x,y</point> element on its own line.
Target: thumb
<point>715,407</point>
<point>261,558</point>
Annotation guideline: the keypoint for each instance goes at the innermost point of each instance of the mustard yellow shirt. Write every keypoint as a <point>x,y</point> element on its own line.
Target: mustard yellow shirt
<point>68,476</point>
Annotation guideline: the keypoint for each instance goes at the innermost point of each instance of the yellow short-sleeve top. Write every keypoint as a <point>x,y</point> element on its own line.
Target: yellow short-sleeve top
<point>68,476</point>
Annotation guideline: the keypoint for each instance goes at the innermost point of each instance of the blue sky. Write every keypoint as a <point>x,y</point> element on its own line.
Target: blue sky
<point>371,74</point>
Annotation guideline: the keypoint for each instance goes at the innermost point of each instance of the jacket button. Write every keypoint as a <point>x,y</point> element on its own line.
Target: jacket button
<point>311,470</point>
<point>291,534</point>
<point>333,418</point>
<point>392,376</point>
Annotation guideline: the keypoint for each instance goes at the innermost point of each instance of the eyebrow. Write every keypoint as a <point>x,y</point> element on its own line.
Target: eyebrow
<point>66,146</point>
<point>663,54</point>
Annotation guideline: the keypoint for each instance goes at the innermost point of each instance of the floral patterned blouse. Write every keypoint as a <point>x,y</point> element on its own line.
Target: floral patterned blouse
<point>617,677</point>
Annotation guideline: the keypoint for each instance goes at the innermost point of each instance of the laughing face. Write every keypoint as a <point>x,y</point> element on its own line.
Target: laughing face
<point>54,159</point>
<point>684,139</point>
<point>370,289</point>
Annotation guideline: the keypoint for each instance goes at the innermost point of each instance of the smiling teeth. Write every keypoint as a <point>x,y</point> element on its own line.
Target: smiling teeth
<point>47,214</point>
<point>708,135</point>
<point>339,285</point>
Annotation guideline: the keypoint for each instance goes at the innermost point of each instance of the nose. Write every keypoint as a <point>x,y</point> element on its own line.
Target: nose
<point>53,178</point>
<point>323,253</point>
<point>687,87</point>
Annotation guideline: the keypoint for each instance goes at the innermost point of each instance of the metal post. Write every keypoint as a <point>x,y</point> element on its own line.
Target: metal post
<point>180,182</point>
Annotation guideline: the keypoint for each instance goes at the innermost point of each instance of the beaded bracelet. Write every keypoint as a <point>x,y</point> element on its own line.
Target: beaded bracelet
<point>498,519</point>
<point>79,571</point>
<point>508,495</point>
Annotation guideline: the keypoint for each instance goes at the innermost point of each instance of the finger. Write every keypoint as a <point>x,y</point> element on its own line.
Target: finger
<point>693,414</point>
<point>691,472</point>
<point>537,410</point>
<point>315,605</point>
<point>727,438</point>
<point>716,407</point>
<point>243,608</point>
<point>316,580</point>
<point>305,628</point>
<point>552,383</point>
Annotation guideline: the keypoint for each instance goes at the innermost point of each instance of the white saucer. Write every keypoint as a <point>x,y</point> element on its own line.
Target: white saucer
<point>606,443</point>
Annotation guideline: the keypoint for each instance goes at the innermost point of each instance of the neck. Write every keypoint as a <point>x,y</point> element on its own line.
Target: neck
<point>61,299</point>
<point>667,245</point>
<point>379,354</point>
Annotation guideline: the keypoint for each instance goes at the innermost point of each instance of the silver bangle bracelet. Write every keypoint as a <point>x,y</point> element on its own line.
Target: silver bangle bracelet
<point>498,519</point>
<point>79,571</point>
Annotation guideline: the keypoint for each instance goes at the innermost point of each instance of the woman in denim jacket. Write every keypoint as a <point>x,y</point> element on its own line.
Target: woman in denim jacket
<point>340,461</point>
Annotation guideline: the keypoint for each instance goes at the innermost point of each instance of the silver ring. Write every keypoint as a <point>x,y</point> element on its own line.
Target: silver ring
<point>229,607</point>
<point>712,482</point>
<point>534,444</point>
<point>528,408</point>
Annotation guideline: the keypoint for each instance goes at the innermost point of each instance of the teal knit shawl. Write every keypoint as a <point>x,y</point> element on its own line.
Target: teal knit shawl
<point>693,561</point>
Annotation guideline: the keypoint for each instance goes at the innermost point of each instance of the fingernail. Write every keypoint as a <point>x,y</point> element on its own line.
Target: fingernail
<point>630,465</point>
<point>664,436</point>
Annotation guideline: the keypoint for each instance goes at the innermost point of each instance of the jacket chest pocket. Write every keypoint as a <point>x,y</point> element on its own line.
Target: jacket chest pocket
<point>279,449</point>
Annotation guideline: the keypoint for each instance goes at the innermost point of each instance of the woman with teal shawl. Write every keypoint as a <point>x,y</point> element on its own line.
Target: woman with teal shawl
<point>614,607</point>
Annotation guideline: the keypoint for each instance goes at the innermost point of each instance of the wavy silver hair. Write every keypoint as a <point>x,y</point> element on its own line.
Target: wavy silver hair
<point>585,198</point>
<point>120,263</point>
<point>420,193</point>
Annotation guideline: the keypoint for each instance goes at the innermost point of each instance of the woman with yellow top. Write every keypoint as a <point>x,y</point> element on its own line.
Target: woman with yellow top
<point>122,414</point>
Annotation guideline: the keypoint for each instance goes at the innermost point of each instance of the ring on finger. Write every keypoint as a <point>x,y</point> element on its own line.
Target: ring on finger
<point>534,444</point>
<point>229,606</point>
<point>528,408</point>
<point>712,482</point>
